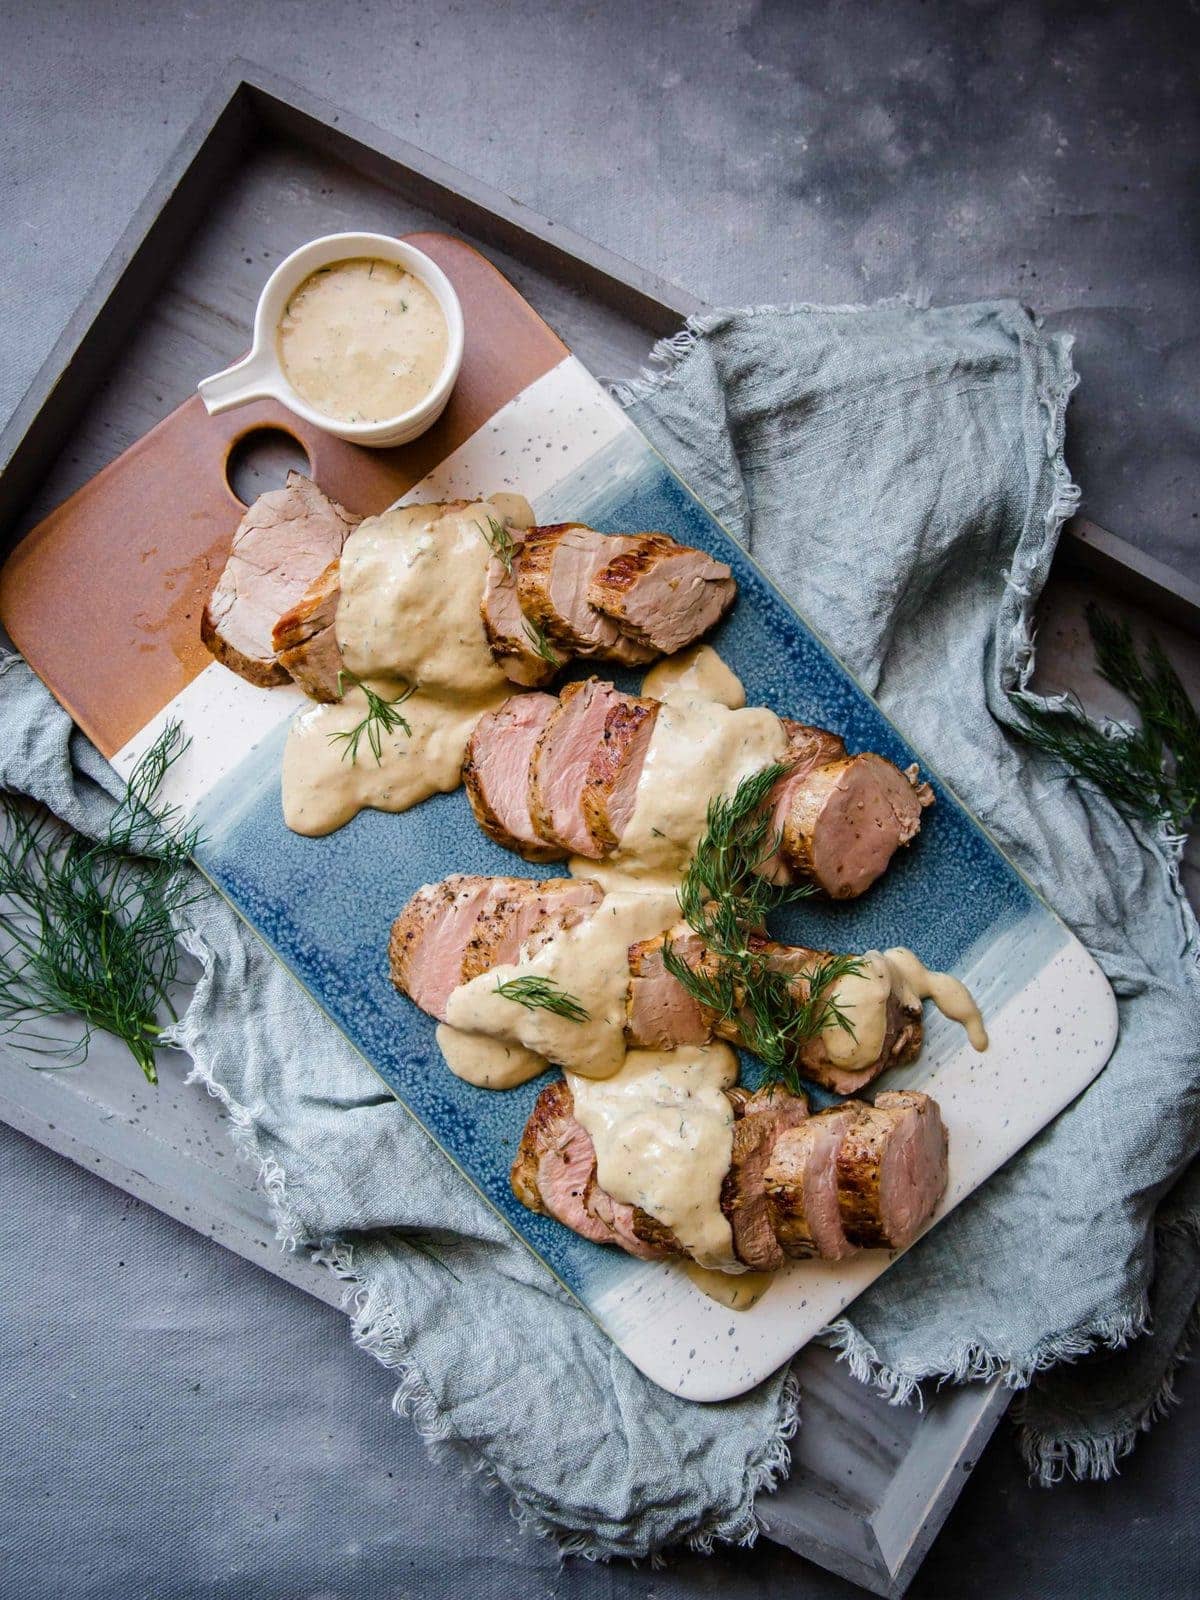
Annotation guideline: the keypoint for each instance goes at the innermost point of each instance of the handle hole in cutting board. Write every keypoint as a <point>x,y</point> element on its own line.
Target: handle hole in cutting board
<point>261,460</point>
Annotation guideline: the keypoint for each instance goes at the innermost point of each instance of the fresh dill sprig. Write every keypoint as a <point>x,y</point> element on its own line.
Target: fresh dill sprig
<point>88,928</point>
<point>1151,772</point>
<point>540,643</point>
<point>725,901</point>
<point>500,542</point>
<point>723,896</point>
<point>382,717</point>
<point>542,994</point>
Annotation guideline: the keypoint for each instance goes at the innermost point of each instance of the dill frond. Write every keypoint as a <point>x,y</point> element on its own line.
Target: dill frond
<point>382,717</point>
<point>542,646</point>
<point>497,537</point>
<point>543,994</point>
<point>1151,772</point>
<point>725,901</point>
<point>88,928</point>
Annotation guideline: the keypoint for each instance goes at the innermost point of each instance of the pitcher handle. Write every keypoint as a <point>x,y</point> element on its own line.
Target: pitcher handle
<point>248,379</point>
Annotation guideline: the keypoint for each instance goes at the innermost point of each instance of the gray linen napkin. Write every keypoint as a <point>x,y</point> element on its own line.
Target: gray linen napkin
<point>900,473</point>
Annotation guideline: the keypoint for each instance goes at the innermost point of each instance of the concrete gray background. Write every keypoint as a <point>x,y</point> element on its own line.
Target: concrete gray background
<point>178,1424</point>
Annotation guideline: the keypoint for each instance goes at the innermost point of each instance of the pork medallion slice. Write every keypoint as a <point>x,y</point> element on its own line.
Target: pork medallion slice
<point>553,576</point>
<point>801,1184</point>
<point>610,786</point>
<point>286,540</point>
<point>496,774</point>
<point>513,642</point>
<point>843,821</point>
<point>761,1118</point>
<point>526,916</point>
<point>892,1169</point>
<point>429,938</point>
<point>555,1166</point>
<point>660,1014</point>
<point>662,594</point>
<point>451,931</point>
<point>305,639</point>
<point>559,767</point>
<point>555,1173</point>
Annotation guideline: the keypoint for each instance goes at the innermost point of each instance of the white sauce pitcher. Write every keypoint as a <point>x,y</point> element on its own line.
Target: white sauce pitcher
<point>259,376</point>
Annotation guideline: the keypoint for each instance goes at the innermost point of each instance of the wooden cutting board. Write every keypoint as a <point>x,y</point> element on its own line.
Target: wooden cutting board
<point>157,522</point>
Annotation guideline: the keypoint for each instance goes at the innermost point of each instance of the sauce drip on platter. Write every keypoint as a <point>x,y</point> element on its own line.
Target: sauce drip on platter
<point>487,1063</point>
<point>696,674</point>
<point>323,788</point>
<point>863,998</point>
<point>737,1291</point>
<point>362,340</point>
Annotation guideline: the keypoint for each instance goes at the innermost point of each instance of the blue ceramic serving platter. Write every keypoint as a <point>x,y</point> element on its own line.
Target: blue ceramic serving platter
<point>326,905</point>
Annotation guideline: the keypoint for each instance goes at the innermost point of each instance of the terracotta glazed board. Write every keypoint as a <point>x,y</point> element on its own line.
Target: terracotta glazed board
<point>104,596</point>
<point>117,575</point>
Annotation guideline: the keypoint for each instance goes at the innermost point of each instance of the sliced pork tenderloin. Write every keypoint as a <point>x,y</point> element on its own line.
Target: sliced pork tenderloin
<point>836,819</point>
<point>553,576</point>
<point>496,773</point>
<point>429,938</point>
<point>892,1169</point>
<point>761,1118</point>
<point>611,782</point>
<point>559,767</point>
<point>855,1176</point>
<point>808,749</point>
<point>555,1173</point>
<point>555,1166</point>
<point>526,916</point>
<point>844,820</point>
<point>661,594</point>
<point>903,1036</point>
<point>451,931</point>
<point>286,540</point>
<point>507,626</point>
<point>660,1012</point>
<point>305,638</point>
<point>800,1180</point>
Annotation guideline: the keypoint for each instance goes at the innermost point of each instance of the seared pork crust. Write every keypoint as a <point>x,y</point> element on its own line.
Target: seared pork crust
<point>305,639</point>
<point>661,594</point>
<point>285,541</point>
<point>612,775</point>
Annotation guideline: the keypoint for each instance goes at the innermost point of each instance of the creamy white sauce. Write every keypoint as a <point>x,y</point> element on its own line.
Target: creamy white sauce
<point>412,581</point>
<point>737,1291</point>
<point>487,1063</point>
<point>952,998</point>
<point>698,750</point>
<point>589,962</point>
<point>663,1131</point>
<point>323,788</point>
<point>411,584</point>
<point>696,674</point>
<point>863,999</point>
<point>362,340</point>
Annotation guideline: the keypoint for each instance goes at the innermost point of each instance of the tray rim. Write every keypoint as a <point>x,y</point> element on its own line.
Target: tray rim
<point>246,94</point>
<point>248,101</point>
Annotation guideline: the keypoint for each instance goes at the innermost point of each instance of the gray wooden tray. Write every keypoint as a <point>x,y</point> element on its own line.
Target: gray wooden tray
<point>264,168</point>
